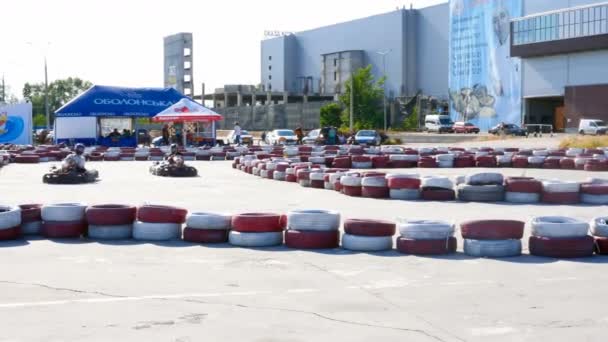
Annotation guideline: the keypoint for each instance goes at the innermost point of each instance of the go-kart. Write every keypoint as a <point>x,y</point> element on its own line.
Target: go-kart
<point>177,169</point>
<point>72,176</point>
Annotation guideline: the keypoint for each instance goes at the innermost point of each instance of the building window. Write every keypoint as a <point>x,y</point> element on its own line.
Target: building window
<point>335,62</point>
<point>335,76</point>
<point>269,58</point>
<point>270,67</point>
<point>269,87</point>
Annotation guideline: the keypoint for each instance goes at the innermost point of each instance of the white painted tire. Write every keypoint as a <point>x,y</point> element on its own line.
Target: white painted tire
<point>404,194</point>
<point>540,153</point>
<point>156,231</point>
<point>31,228</point>
<point>317,160</point>
<point>255,239</point>
<point>379,182</point>
<point>599,227</point>
<point>367,243</point>
<point>290,171</point>
<point>63,212</point>
<point>271,166</point>
<point>581,161</point>
<point>10,217</point>
<point>485,178</point>
<point>521,197</point>
<point>492,248</point>
<point>119,232</point>
<point>278,175</point>
<point>328,185</point>
<point>536,160</point>
<point>403,176</point>
<point>317,176</point>
<point>405,157</point>
<point>437,182</point>
<point>446,164</point>
<point>304,183</point>
<point>362,165</point>
<point>315,220</point>
<point>264,173</point>
<point>503,160</point>
<point>561,186</point>
<point>201,220</point>
<point>425,229</point>
<point>444,157</point>
<point>335,177</point>
<point>350,181</point>
<point>558,227</point>
<point>594,199</point>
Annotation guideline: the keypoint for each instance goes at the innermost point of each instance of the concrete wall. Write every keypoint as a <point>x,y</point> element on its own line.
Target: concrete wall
<point>260,118</point>
<point>433,49</point>
<point>174,60</point>
<point>273,56</point>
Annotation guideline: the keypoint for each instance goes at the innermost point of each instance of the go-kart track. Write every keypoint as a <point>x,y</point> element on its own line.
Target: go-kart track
<point>178,291</point>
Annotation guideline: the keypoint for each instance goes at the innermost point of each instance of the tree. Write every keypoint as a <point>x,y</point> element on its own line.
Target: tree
<point>60,92</point>
<point>9,97</point>
<point>330,115</point>
<point>368,100</point>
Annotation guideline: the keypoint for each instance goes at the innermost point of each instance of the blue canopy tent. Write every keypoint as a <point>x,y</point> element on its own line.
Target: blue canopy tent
<point>89,117</point>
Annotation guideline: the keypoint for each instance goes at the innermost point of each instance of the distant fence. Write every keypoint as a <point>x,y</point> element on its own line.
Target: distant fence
<point>260,118</point>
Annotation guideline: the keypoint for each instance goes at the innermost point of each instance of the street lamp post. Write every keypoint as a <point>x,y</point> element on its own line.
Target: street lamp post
<point>383,54</point>
<point>46,87</point>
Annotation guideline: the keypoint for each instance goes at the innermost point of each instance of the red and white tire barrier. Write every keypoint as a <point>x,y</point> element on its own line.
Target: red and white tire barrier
<point>425,237</point>
<point>561,192</point>
<point>110,221</point>
<point>403,187</point>
<point>257,230</point>
<point>351,185</point>
<point>207,228</point>
<point>312,229</point>
<point>374,187</point>
<point>523,190</point>
<point>31,219</point>
<point>445,160</point>
<point>317,180</point>
<point>492,238</point>
<point>361,162</point>
<point>63,220</point>
<point>437,188</point>
<point>368,235</point>
<point>10,222</point>
<point>560,237</point>
<point>303,178</point>
<point>158,223</point>
<point>594,193</point>
<point>599,227</point>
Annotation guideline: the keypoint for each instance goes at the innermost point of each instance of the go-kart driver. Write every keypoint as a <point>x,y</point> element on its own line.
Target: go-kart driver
<point>75,161</point>
<point>174,155</point>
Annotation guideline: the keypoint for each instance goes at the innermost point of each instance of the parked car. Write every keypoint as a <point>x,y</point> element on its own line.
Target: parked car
<point>465,127</point>
<point>438,123</point>
<point>281,137</point>
<point>312,138</point>
<point>592,126</point>
<point>246,138</point>
<point>509,129</point>
<point>368,137</point>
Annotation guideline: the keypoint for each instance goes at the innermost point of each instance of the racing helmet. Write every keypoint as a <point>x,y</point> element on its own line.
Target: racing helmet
<point>79,149</point>
<point>173,148</point>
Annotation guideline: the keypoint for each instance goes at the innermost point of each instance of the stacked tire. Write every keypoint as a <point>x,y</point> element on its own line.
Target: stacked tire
<point>523,190</point>
<point>257,230</point>
<point>375,186</point>
<point>561,192</point>
<point>63,220</point>
<point>159,223</point>
<point>594,193</point>
<point>437,188</point>
<point>492,238</point>
<point>560,237</point>
<point>426,237</point>
<point>351,185</point>
<point>599,231</point>
<point>482,187</point>
<point>31,219</point>
<point>110,221</point>
<point>312,229</point>
<point>368,235</point>
<point>404,187</point>
<point>207,228</point>
<point>10,223</point>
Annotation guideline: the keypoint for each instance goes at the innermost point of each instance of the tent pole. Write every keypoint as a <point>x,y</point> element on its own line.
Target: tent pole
<point>184,138</point>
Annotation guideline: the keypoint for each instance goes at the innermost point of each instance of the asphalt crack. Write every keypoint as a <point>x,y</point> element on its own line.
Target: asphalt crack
<point>64,289</point>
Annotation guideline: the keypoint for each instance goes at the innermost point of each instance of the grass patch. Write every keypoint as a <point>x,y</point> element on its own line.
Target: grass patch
<point>492,137</point>
<point>584,141</point>
<point>392,141</point>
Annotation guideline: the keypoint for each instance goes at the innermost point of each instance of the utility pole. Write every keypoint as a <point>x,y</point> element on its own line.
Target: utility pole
<point>46,96</point>
<point>3,99</point>
<point>352,101</point>
<point>383,54</point>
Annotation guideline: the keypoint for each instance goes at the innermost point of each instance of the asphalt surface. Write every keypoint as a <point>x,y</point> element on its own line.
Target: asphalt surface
<point>131,291</point>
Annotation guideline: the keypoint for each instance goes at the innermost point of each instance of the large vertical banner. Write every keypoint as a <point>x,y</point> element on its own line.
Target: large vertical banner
<point>16,124</point>
<point>484,81</point>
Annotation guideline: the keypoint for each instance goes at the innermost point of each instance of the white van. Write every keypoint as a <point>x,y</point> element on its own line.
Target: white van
<point>438,123</point>
<point>592,126</point>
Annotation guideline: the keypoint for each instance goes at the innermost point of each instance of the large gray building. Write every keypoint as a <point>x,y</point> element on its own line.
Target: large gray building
<point>178,66</point>
<point>563,46</point>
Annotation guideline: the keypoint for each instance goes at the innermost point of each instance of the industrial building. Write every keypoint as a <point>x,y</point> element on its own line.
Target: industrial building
<point>178,63</point>
<point>560,47</point>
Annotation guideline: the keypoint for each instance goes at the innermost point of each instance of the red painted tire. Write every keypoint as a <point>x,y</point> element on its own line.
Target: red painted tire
<point>369,227</point>
<point>561,247</point>
<point>10,234</point>
<point>561,197</point>
<point>403,183</point>
<point>361,159</point>
<point>110,214</point>
<point>426,247</point>
<point>98,157</point>
<point>342,162</point>
<point>258,223</point>
<point>567,164</point>
<point>63,230</point>
<point>338,186</point>
<point>402,164</point>
<point>380,162</point>
<point>596,166</point>
<point>429,164</point>
<point>161,214</point>
<point>300,239</point>
<point>594,189</point>
<point>111,158</point>
<point>303,175</point>
<point>291,178</point>
<point>519,162</point>
<point>374,192</point>
<point>492,229</point>
<point>438,195</point>
<point>353,191</point>
<point>601,245</point>
<point>30,212</point>
<point>464,161</point>
<point>526,185</point>
<point>317,184</point>
<point>27,159</point>
<point>551,164</point>
<point>205,235</point>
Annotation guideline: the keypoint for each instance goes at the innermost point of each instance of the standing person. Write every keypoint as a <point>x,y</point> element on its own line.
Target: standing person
<point>263,138</point>
<point>166,134</point>
<point>299,134</point>
<point>237,134</point>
